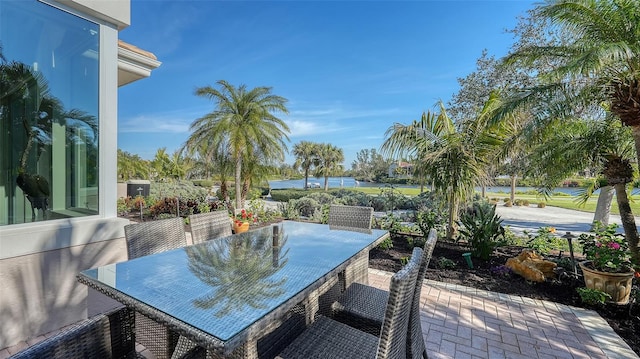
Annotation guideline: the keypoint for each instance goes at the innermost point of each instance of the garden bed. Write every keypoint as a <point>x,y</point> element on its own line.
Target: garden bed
<point>487,275</point>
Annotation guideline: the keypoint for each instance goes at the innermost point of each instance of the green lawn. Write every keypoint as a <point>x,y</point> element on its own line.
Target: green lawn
<point>556,201</point>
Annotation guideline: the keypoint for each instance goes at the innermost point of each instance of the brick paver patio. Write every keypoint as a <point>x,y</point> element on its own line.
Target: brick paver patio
<point>461,322</point>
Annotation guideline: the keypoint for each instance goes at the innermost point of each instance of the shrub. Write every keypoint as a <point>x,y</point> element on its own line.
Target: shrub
<point>285,195</point>
<point>307,206</point>
<point>481,227</point>
<point>544,240</point>
<point>541,204</point>
<point>593,296</point>
<point>350,197</point>
<point>416,241</point>
<point>174,206</point>
<point>508,204</point>
<point>203,183</point>
<point>428,219</point>
<point>264,214</point>
<point>387,243</point>
<point>390,223</point>
<point>322,197</point>
<point>445,263</point>
<point>123,207</point>
<point>427,201</point>
<point>183,190</point>
<point>289,210</point>
<point>525,203</point>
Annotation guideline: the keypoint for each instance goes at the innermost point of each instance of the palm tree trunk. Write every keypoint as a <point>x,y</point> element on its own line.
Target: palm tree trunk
<point>635,131</point>
<point>326,183</point>
<point>628,221</point>
<point>306,178</point>
<point>238,184</point>
<point>513,188</point>
<point>452,230</point>
<point>224,193</point>
<point>246,185</point>
<point>603,208</point>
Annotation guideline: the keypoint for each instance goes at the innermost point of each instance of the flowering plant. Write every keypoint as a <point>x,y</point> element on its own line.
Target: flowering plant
<point>606,249</point>
<point>245,217</point>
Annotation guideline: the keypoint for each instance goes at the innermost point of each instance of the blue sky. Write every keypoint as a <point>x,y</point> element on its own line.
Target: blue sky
<point>349,69</point>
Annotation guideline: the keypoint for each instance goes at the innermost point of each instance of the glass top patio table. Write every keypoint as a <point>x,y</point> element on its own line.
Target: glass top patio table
<point>217,291</point>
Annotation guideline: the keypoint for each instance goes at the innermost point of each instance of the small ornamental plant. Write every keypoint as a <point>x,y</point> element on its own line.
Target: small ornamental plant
<point>543,241</point>
<point>245,217</point>
<point>593,296</point>
<point>606,249</point>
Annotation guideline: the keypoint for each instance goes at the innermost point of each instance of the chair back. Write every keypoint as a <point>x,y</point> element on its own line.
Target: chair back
<point>154,237</point>
<point>212,225</point>
<point>393,335</point>
<point>108,335</point>
<point>350,216</point>
<point>415,341</point>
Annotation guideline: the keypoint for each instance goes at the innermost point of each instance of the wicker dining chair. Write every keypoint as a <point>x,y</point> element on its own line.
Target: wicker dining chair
<point>350,216</point>
<point>148,238</point>
<point>363,307</point>
<point>211,225</point>
<point>108,335</point>
<point>154,237</point>
<point>326,338</point>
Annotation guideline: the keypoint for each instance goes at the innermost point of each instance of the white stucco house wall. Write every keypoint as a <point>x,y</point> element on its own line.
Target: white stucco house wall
<point>58,144</point>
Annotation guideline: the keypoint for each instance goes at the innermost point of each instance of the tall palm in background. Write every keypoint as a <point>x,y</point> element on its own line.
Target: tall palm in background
<point>330,160</point>
<point>599,63</point>
<point>306,153</point>
<point>242,122</point>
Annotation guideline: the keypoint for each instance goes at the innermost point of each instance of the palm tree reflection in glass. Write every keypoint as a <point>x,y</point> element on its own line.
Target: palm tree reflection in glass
<point>240,270</point>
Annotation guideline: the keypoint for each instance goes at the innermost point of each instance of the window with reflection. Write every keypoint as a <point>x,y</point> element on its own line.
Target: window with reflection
<point>49,96</point>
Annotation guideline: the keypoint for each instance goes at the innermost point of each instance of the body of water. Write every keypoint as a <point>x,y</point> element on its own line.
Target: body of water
<point>350,182</point>
<point>334,182</point>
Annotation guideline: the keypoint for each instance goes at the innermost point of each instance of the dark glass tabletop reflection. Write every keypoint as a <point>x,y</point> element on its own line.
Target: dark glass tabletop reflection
<point>223,286</point>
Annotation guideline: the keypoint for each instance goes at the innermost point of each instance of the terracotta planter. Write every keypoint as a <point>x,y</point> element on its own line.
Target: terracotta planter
<point>240,228</point>
<point>617,285</point>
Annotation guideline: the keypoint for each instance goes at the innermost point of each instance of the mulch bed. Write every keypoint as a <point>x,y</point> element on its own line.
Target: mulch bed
<point>624,319</point>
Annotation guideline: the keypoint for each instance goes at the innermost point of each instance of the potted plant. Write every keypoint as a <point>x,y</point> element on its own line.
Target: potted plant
<point>608,264</point>
<point>242,221</point>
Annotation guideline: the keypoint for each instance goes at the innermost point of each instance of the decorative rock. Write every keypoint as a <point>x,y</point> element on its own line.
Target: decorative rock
<point>532,266</point>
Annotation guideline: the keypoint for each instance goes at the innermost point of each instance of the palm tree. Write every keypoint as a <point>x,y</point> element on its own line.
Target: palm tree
<point>306,153</point>
<point>243,120</point>
<point>455,159</point>
<point>25,100</point>
<point>581,144</point>
<point>330,160</point>
<point>131,166</point>
<point>410,140</point>
<point>232,263</point>
<point>599,64</point>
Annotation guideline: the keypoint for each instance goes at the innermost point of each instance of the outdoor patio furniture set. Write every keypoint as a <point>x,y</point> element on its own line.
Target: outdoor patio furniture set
<point>291,290</point>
